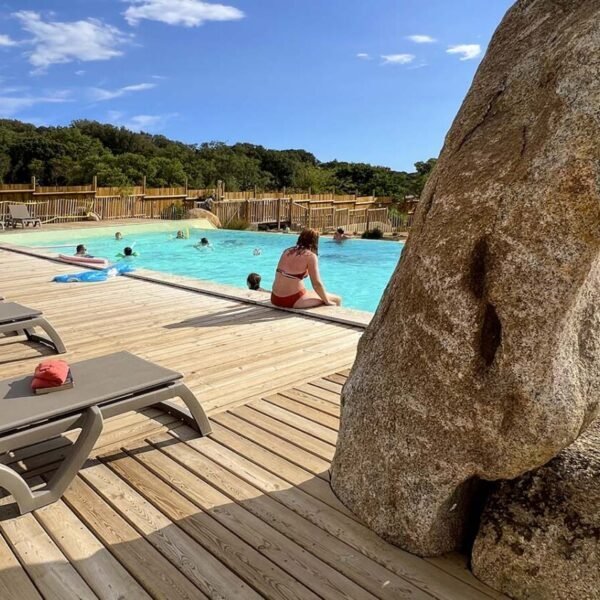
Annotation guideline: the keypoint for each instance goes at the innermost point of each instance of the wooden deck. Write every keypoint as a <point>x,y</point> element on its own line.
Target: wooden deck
<point>160,513</point>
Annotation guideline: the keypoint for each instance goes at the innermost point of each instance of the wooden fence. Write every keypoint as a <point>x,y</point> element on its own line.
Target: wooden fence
<point>68,203</point>
<point>61,210</point>
<point>321,214</point>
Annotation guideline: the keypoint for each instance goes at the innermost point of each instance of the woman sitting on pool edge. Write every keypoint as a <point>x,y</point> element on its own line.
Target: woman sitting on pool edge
<point>296,264</point>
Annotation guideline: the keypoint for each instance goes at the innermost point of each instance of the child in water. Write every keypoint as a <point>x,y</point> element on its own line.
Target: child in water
<point>203,243</point>
<point>181,235</point>
<point>127,253</point>
<point>81,252</point>
<point>253,283</point>
<point>118,236</point>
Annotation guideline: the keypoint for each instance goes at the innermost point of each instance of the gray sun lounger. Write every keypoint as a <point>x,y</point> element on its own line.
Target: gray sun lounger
<point>15,318</point>
<point>19,215</point>
<point>103,387</point>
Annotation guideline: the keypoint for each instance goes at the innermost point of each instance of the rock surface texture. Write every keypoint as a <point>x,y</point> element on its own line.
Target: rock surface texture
<point>540,534</point>
<point>483,359</point>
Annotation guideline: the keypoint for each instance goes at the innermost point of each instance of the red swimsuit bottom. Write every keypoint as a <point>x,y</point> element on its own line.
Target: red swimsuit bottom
<point>287,301</point>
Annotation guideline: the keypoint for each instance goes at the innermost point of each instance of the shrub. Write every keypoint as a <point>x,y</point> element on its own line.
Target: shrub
<point>174,211</point>
<point>372,234</point>
<point>237,224</point>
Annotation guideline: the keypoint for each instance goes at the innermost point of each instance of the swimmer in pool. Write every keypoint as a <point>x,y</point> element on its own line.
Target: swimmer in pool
<point>118,236</point>
<point>127,253</point>
<point>203,243</point>
<point>257,252</point>
<point>253,283</point>
<point>181,235</point>
<point>81,252</point>
<point>339,235</point>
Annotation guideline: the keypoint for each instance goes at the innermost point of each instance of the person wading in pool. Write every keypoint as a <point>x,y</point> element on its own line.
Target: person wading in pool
<point>294,266</point>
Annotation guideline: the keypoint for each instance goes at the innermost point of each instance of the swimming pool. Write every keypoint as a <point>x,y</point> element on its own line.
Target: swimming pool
<point>358,270</point>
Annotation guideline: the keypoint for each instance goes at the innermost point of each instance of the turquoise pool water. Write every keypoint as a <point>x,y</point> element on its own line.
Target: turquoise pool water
<point>358,270</point>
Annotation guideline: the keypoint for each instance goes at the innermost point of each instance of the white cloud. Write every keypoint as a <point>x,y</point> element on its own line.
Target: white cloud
<point>10,105</point>
<point>6,40</point>
<point>80,72</point>
<point>57,42</point>
<point>363,56</point>
<point>100,94</point>
<point>147,123</point>
<point>189,13</point>
<point>397,59</point>
<point>421,39</point>
<point>466,51</point>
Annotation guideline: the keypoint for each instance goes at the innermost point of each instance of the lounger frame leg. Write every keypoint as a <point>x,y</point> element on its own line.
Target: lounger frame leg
<point>53,340</point>
<point>194,416</point>
<point>91,424</point>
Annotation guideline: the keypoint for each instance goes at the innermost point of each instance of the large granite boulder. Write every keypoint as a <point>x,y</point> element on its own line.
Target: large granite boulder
<point>483,359</point>
<point>540,534</point>
<point>201,213</point>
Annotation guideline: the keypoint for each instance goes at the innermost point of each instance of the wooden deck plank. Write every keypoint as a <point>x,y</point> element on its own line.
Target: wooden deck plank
<point>337,378</point>
<point>281,447</point>
<point>319,392</point>
<point>297,476</point>
<point>152,571</point>
<point>294,420</point>
<point>190,558</point>
<point>304,410</point>
<point>48,567</point>
<point>327,385</point>
<point>257,570</point>
<point>96,565</point>
<point>286,432</point>
<point>312,401</point>
<point>14,582</point>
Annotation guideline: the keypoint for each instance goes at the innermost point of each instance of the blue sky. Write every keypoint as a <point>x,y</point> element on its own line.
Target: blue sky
<point>344,79</point>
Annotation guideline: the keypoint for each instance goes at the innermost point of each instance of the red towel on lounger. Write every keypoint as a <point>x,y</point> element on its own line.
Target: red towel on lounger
<point>50,373</point>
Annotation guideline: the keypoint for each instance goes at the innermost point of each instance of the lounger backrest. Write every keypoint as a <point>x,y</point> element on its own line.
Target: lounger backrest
<point>19,211</point>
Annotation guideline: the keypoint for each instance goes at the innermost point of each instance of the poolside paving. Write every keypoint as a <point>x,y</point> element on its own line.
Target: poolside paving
<point>158,512</point>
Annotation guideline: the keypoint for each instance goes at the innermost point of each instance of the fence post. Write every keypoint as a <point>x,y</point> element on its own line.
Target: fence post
<point>278,213</point>
<point>368,218</point>
<point>247,210</point>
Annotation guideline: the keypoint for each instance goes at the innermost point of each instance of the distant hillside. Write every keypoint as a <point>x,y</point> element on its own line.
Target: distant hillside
<point>73,155</point>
